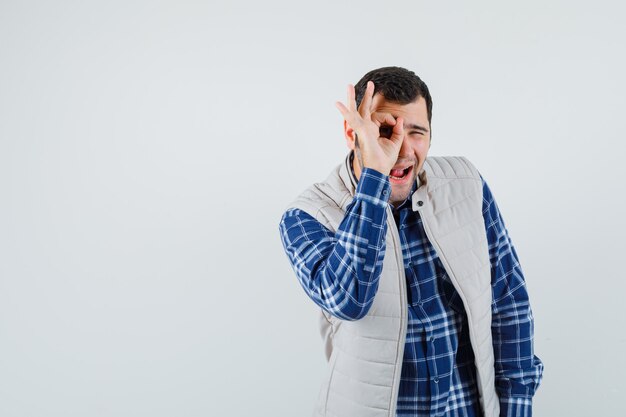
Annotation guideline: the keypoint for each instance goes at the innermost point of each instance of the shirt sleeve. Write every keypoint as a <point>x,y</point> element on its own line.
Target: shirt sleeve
<point>518,371</point>
<point>340,271</point>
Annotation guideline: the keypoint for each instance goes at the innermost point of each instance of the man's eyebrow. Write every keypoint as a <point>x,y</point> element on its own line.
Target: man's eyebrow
<point>412,126</point>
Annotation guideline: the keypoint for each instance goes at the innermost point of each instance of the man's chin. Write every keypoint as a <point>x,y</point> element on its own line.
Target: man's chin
<point>399,193</point>
<point>399,196</point>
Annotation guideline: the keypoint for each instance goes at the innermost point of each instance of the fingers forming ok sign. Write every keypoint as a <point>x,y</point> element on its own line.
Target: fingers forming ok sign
<point>378,135</point>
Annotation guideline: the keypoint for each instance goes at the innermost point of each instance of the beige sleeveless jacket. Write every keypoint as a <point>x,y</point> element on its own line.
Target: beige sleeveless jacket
<point>365,356</point>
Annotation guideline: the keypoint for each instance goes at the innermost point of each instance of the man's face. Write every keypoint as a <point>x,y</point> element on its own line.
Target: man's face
<point>414,146</point>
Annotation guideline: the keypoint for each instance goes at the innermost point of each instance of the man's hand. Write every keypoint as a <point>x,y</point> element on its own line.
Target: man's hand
<point>379,150</point>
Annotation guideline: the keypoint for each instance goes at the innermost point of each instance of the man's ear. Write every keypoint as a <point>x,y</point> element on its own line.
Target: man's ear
<point>349,134</point>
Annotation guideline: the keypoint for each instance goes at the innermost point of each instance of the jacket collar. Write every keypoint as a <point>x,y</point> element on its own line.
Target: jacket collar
<point>347,174</point>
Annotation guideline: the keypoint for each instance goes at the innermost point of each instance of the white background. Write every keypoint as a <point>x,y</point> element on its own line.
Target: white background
<point>148,149</point>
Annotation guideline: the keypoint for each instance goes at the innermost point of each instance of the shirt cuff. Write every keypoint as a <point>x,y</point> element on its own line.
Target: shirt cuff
<point>516,407</point>
<point>373,187</point>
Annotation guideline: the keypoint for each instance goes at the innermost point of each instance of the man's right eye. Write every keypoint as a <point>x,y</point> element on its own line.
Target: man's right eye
<point>385,131</point>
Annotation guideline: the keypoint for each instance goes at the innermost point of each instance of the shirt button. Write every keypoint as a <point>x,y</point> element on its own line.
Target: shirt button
<point>410,263</point>
<point>385,192</point>
<point>436,380</point>
<point>420,203</point>
<point>432,340</point>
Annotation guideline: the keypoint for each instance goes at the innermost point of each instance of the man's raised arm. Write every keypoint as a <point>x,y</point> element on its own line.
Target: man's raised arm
<point>339,271</point>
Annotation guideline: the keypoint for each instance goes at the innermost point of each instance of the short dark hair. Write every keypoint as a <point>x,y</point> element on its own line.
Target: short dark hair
<point>396,84</point>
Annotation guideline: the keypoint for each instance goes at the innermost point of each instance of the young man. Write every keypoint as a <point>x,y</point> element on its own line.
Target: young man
<point>424,309</point>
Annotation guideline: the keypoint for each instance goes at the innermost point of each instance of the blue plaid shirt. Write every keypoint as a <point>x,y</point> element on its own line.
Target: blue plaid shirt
<point>340,271</point>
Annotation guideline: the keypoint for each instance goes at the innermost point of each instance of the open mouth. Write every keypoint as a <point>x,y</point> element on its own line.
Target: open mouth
<point>400,174</point>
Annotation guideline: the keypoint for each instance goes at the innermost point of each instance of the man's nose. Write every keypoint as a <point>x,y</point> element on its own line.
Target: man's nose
<point>405,149</point>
